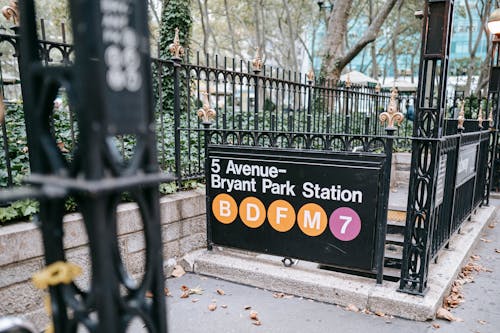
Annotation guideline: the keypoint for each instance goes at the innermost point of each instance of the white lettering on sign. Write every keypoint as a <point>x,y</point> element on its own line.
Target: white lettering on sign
<point>233,184</point>
<point>334,192</point>
<point>253,212</point>
<point>312,222</point>
<point>121,54</point>
<point>251,170</point>
<point>279,215</point>
<point>224,208</point>
<point>278,188</point>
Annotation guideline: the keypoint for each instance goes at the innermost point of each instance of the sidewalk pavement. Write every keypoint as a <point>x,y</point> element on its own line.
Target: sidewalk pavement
<point>480,310</point>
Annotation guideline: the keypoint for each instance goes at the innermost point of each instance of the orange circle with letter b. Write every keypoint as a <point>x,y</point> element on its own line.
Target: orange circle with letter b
<point>312,219</point>
<point>224,208</point>
<point>252,212</point>
<point>281,215</point>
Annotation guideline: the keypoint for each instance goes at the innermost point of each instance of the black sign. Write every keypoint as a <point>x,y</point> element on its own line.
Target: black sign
<point>125,58</point>
<point>315,206</point>
<point>466,167</point>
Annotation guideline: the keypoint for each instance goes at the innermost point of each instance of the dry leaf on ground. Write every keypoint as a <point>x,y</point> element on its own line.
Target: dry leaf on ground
<point>184,288</point>
<point>178,271</point>
<point>436,325</point>
<point>442,313</point>
<point>221,292</point>
<point>352,307</point>
<point>247,307</point>
<point>194,300</point>
<point>279,295</point>
<point>224,306</point>
<point>380,314</point>
<point>475,257</point>
<point>485,240</point>
<point>167,292</point>
<point>257,322</point>
<point>497,250</point>
<point>253,315</point>
<point>482,322</point>
<point>212,306</point>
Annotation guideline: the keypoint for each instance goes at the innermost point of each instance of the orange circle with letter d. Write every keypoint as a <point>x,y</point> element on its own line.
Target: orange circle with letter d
<point>281,215</point>
<point>252,212</point>
<point>224,208</point>
<point>312,219</point>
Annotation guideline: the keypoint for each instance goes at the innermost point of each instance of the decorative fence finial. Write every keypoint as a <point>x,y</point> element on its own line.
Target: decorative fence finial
<point>480,116</point>
<point>257,62</point>
<point>206,114</point>
<point>392,114</point>
<point>461,116</point>
<point>310,76</point>
<point>378,88</point>
<point>11,12</point>
<point>176,49</point>
<point>490,118</point>
<point>348,82</point>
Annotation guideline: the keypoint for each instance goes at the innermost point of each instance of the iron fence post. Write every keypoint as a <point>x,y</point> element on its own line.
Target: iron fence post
<point>177,115</point>
<point>428,126</point>
<point>206,130</point>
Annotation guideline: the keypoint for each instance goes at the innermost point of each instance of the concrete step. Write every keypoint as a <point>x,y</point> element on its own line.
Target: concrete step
<point>396,239</point>
<point>396,227</point>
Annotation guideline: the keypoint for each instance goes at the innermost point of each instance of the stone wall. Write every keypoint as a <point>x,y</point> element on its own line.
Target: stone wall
<point>21,252</point>
<point>400,171</point>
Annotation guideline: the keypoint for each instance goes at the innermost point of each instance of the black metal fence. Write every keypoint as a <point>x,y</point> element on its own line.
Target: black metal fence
<point>263,106</point>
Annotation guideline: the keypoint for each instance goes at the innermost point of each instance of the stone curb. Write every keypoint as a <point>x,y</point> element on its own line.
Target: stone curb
<point>306,280</point>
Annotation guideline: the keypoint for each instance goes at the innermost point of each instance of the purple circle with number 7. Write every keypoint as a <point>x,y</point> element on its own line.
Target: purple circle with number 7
<point>345,224</point>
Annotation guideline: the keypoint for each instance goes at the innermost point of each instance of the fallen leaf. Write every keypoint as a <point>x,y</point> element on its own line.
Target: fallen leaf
<point>253,315</point>
<point>380,314</point>
<point>167,292</point>
<point>475,257</point>
<point>221,292</point>
<point>197,290</point>
<point>185,294</point>
<point>497,250</point>
<point>178,271</point>
<point>352,307</point>
<point>224,306</point>
<point>492,225</point>
<point>256,322</point>
<point>194,300</point>
<point>442,313</point>
<point>184,288</point>
<point>149,294</point>
<point>436,325</point>
<point>278,295</point>
<point>212,306</point>
<point>482,322</point>
<point>247,307</point>
<point>485,240</point>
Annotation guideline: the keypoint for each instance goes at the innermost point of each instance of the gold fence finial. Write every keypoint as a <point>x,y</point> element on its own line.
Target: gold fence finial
<point>11,11</point>
<point>461,116</point>
<point>257,62</point>
<point>392,114</point>
<point>176,49</point>
<point>480,116</point>
<point>490,118</point>
<point>348,82</point>
<point>310,76</point>
<point>206,113</point>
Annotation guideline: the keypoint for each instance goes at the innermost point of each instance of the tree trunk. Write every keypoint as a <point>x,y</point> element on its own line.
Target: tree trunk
<point>336,58</point>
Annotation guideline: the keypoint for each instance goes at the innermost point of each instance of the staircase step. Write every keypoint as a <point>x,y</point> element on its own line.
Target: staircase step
<point>393,255</point>
<point>396,227</point>
<point>396,215</point>
<point>397,239</point>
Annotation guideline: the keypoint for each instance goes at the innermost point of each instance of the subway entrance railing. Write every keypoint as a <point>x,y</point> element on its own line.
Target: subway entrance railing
<point>330,154</point>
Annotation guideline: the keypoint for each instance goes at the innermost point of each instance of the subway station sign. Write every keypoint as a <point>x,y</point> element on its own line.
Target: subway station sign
<point>315,206</point>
